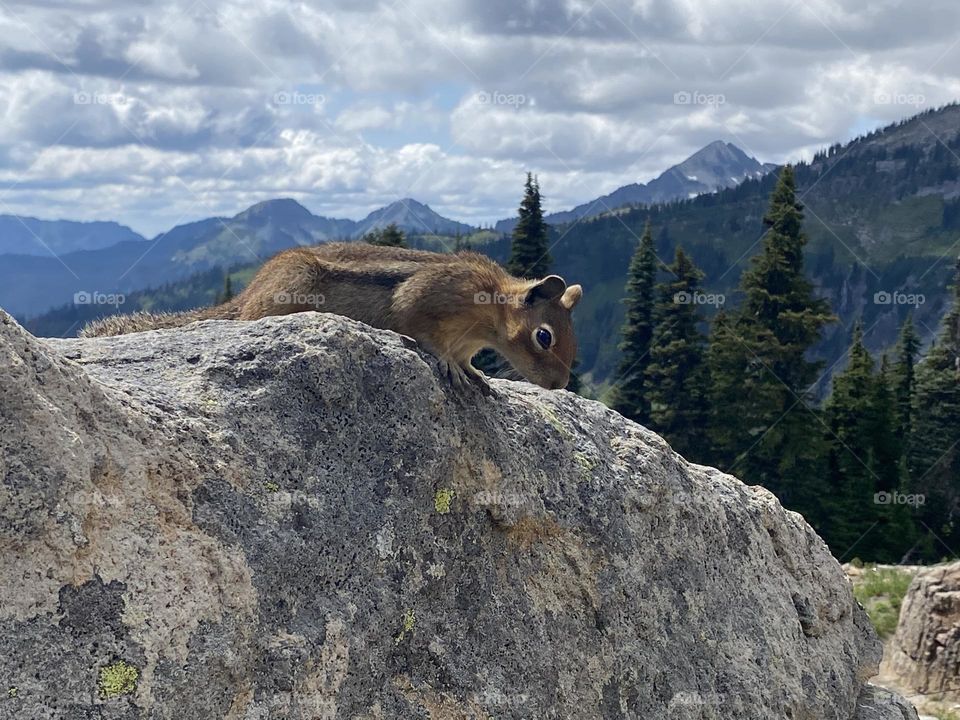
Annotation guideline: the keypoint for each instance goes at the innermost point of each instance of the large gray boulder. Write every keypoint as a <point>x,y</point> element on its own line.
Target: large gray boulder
<point>296,518</point>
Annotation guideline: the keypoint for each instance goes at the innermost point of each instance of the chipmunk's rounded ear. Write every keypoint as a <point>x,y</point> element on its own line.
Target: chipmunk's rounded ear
<point>571,296</point>
<point>550,288</point>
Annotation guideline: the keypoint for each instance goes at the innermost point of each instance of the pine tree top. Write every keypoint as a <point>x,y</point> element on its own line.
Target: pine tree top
<point>859,355</point>
<point>777,293</point>
<point>529,251</point>
<point>908,343</point>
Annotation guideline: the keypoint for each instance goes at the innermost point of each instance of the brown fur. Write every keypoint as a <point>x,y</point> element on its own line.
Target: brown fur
<point>453,305</point>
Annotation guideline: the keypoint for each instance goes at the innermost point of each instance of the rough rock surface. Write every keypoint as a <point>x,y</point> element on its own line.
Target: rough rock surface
<point>924,654</point>
<point>296,518</point>
<point>877,702</point>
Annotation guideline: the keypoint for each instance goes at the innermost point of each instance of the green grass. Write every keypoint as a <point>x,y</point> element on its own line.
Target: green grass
<point>881,592</point>
<point>946,715</point>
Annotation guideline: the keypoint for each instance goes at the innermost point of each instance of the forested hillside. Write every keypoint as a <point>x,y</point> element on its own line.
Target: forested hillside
<point>882,215</point>
<point>873,468</point>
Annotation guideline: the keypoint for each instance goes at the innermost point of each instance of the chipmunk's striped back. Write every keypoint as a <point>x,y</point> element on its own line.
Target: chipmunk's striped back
<point>453,304</point>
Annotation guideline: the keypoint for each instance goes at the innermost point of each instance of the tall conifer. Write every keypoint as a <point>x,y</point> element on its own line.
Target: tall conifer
<point>774,438</point>
<point>677,373</point>
<point>630,396</point>
<point>934,449</point>
<point>530,250</point>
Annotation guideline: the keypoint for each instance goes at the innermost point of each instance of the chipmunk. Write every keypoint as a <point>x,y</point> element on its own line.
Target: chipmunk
<point>453,305</point>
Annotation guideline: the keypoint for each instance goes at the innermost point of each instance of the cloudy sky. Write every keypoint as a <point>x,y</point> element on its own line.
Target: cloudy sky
<point>156,113</point>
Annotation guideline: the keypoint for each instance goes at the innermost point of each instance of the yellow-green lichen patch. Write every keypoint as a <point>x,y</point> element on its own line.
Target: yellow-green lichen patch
<point>441,500</point>
<point>554,421</point>
<point>118,678</point>
<point>12,692</point>
<point>271,487</point>
<point>409,620</point>
<point>586,464</point>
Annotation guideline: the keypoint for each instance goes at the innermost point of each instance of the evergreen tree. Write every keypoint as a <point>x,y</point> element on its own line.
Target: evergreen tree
<point>726,366</point>
<point>934,453</point>
<point>851,418</point>
<point>390,236</point>
<point>630,395</point>
<point>529,252</point>
<point>897,529</point>
<point>866,507</point>
<point>773,438</point>
<point>676,377</point>
<point>778,296</point>
<point>908,348</point>
<point>227,293</point>
<point>887,443</point>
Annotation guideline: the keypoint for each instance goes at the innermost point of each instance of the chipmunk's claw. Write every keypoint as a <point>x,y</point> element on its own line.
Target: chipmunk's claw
<point>465,378</point>
<point>409,342</point>
<point>454,373</point>
<point>479,380</point>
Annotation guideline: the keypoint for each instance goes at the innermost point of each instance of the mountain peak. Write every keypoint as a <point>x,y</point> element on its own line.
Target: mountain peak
<point>285,207</point>
<point>716,144</point>
<point>713,167</point>
<point>24,235</point>
<point>718,150</point>
<point>411,216</point>
<point>716,166</point>
<point>407,205</point>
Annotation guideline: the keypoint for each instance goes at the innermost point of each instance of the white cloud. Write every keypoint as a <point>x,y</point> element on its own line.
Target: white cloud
<point>182,117</point>
<point>365,118</point>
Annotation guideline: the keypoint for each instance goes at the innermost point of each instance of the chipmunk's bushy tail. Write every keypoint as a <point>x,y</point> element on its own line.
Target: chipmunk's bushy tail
<point>139,321</point>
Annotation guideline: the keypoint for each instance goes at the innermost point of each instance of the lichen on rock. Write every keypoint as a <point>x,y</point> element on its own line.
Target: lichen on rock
<point>442,499</point>
<point>116,679</point>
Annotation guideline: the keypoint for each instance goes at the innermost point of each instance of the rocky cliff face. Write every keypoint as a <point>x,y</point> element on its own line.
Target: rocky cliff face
<point>925,651</point>
<point>295,518</point>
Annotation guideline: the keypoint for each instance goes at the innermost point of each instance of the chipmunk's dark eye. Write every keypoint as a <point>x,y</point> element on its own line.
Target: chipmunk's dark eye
<point>544,337</point>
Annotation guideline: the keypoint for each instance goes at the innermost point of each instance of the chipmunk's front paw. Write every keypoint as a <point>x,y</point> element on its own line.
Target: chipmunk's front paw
<point>479,380</point>
<point>455,374</point>
<point>466,378</point>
